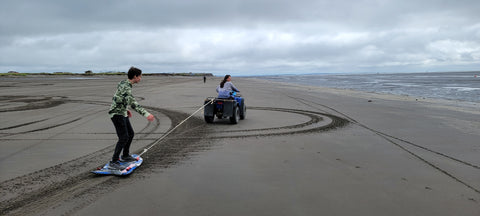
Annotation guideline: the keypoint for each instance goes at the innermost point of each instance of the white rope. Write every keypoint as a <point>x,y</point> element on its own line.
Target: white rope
<point>171,130</point>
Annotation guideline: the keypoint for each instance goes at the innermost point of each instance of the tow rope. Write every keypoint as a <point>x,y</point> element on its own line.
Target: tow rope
<point>171,130</point>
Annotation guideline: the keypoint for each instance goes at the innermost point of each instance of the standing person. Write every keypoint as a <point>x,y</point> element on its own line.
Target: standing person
<point>226,87</point>
<point>204,79</point>
<point>120,115</point>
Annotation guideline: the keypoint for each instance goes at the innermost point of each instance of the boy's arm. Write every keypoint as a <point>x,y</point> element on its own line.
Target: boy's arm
<point>137,107</point>
<point>134,104</point>
<point>141,110</point>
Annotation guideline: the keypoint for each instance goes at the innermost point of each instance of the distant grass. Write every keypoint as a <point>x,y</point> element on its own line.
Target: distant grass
<point>62,74</point>
<point>107,73</point>
<point>103,74</point>
<point>13,74</point>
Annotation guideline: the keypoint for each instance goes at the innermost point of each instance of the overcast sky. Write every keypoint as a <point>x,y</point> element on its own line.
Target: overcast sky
<point>240,37</point>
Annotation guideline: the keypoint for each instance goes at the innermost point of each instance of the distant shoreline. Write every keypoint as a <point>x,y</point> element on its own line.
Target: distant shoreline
<point>458,86</point>
<point>189,74</point>
<point>18,74</point>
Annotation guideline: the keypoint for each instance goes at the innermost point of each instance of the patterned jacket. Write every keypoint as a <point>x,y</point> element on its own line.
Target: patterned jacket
<point>123,98</point>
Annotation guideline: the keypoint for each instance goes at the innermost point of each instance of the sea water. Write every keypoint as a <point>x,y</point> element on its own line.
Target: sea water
<point>463,86</point>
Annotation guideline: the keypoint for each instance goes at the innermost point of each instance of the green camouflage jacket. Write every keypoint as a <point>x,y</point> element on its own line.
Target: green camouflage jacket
<point>123,98</point>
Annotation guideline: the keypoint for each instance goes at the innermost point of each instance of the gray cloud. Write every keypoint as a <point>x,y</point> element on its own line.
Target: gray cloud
<point>242,37</point>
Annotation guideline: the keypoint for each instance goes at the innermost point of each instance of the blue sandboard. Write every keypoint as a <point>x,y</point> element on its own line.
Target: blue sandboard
<point>129,167</point>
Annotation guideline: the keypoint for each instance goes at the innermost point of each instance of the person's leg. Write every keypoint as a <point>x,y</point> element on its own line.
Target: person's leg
<point>126,148</point>
<point>120,123</point>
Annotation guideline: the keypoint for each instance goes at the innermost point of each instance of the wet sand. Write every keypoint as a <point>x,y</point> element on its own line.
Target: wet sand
<point>300,151</point>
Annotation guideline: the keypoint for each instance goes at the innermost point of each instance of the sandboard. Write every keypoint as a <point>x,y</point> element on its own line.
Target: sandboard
<point>129,167</point>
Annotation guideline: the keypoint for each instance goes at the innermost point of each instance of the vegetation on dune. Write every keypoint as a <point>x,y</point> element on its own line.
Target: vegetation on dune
<point>91,73</point>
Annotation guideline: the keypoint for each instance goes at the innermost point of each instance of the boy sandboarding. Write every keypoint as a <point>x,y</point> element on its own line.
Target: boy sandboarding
<point>120,115</point>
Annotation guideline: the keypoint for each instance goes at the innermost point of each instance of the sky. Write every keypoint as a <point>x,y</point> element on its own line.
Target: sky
<point>240,37</point>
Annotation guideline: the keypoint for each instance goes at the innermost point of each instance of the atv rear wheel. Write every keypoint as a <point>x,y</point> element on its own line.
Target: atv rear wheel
<point>243,112</point>
<point>209,119</point>
<point>236,116</point>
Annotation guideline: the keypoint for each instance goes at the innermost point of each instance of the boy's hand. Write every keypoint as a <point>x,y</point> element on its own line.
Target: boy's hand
<point>129,114</point>
<point>151,117</point>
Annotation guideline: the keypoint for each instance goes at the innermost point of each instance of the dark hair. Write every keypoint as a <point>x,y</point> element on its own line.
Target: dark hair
<point>133,72</point>
<point>224,80</point>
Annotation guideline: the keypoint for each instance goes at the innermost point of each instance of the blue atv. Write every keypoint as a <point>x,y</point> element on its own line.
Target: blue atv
<point>233,108</point>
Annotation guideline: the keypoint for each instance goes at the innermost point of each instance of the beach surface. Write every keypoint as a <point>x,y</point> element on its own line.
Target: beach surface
<point>301,150</point>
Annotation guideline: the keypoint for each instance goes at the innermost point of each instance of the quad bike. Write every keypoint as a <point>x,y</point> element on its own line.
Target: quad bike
<point>233,108</point>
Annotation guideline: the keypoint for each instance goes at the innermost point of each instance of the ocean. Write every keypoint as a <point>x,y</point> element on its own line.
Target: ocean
<point>461,86</point>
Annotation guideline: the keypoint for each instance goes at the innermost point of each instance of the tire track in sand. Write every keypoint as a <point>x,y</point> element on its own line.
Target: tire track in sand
<point>398,142</point>
<point>67,187</point>
<point>70,185</point>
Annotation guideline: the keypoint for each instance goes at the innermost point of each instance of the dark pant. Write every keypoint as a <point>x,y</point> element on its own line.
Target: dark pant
<point>125,136</point>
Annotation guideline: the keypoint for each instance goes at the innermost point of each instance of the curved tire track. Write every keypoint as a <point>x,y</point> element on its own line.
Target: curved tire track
<point>71,186</point>
<point>24,124</point>
<point>35,102</point>
<point>62,183</point>
<point>318,122</point>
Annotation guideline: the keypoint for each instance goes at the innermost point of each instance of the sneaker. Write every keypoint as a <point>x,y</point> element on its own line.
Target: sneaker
<point>128,158</point>
<point>116,165</point>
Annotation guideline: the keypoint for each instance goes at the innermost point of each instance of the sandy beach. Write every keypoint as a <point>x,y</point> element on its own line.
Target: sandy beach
<point>301,150</point>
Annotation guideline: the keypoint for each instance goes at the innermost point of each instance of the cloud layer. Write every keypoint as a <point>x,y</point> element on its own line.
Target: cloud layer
<point>240,37</point>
